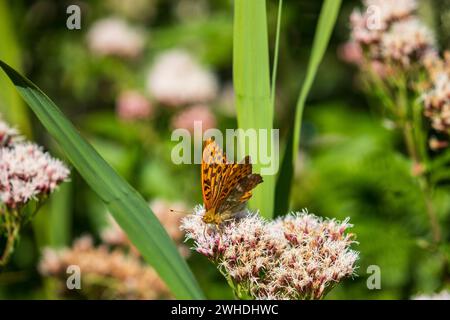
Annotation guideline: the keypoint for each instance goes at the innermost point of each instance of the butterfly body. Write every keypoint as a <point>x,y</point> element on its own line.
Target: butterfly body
<point>226,186</point>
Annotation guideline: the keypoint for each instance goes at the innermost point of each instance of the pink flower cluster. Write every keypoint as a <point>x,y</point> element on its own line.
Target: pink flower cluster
<point>299,256</point>
<point>199,113</point>
<point>113,36</point>
<point>177,79</point>
<point>8,135</point>
<point>437,98</point>
<point>113,235</point>
<point>26,171</point>
<point>109,274</point>
<point>115,265</point>
<point>132,105</point>
<point>179,82</point>
<point>388,33</point>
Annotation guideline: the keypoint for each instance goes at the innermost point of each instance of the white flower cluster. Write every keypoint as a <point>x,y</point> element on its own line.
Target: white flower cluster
<point>299,256</point>
<point>176,79</point>
<point>113,36</point>
<point>26,171</point>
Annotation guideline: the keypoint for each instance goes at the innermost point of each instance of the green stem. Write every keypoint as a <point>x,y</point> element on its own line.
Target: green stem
<point>428,197</point>
<point>12,232</point>
<point>412,127</point>
<point>275,57</point>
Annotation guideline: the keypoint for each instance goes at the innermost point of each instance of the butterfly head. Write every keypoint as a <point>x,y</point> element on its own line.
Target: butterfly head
<point>210,216</point>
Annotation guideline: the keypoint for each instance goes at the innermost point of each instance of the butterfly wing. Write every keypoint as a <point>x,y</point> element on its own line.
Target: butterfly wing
<point>226,186</point>
<point>243,181</point>
<point>213,166</point>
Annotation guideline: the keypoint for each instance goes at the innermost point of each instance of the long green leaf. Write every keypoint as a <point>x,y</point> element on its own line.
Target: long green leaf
<point>125,204</point>
<point>251,77</point>
<point>10,103</point>
<point>327,20</point>
<point>275,55</point>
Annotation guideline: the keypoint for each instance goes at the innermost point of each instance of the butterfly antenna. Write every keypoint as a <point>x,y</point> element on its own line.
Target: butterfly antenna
<point>179,211</point>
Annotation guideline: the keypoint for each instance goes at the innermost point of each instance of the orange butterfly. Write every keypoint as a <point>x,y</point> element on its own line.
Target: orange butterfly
<point>226,187</point>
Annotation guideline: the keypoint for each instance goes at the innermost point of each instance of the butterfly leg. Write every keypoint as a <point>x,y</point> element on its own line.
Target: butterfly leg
<point>204,230</point>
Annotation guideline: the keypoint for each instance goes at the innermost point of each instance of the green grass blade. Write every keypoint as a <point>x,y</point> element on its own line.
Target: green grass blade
<point>251,77</point>
<point>125,204</point>
<point>11,106</point>
<point>275,56</point>
<point>327,20</point>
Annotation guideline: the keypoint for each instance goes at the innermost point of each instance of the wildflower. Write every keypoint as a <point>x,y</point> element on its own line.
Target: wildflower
<point>436,144</point>
<point>115,274</point>
<point>113,36</point>
<point>8,135</point>
<point>299,256</point>
<point>169,214</point>
<point>390,11</point>
<point>437,98</point>
<point>388,33</point>
<point>435,65</point>
<point>115,265</point>
<point>132,105</point>
<point>113,235</point>
<point>200,113</point>
<point>368,27</point>
<point>176,79</point>
<point>406,41</point>
<point>27,172</point>
<point>351,52</point>
<point>443,295</point>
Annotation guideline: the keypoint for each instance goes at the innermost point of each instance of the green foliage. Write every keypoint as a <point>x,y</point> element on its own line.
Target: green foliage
<point>348,164</point>
<point>10,103</point>
<point>352,169</point>
<point>126,205</point>
<point>327,20</point>
<point>251,77</point>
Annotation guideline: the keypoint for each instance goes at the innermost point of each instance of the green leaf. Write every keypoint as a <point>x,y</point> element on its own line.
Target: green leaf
<point>251,77</point>
<point>11,106</point>
<point>327,20</point>
<point>126,205</point>
<point>275,56</point>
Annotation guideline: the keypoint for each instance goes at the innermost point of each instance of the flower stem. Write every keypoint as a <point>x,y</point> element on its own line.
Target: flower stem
<point>434,222</point>
<point>412,127</point>
<point>13,231</point>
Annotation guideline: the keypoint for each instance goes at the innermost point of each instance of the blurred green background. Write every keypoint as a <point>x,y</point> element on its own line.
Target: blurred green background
<point>350,164</point>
